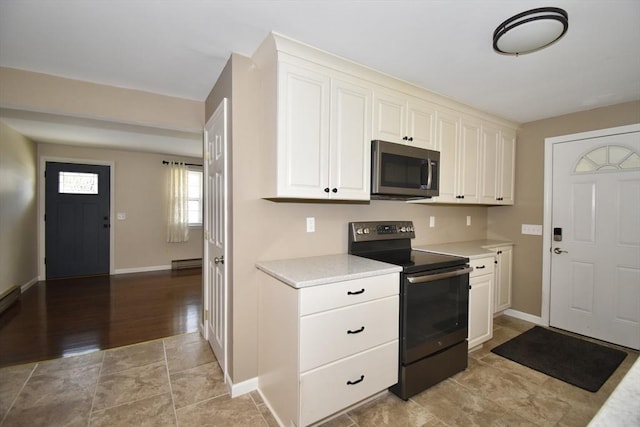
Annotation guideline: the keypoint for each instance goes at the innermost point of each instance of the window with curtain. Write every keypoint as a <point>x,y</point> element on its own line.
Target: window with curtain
<point>178,227</point>
<point>195,196</point>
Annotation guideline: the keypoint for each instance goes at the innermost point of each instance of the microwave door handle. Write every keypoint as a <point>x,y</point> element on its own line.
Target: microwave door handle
<point>429,174</point>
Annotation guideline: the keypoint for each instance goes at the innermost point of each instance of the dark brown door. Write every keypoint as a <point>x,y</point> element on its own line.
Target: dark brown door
<point>77,219</point>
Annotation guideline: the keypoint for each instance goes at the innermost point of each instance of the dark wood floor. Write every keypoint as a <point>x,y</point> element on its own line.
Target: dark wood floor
<point>64,317</point>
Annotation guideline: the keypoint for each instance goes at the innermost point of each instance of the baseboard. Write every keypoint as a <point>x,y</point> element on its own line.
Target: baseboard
<point>142,269</point>
<point>525,316</point>
<point>29,284</point>
<point>243,387</point>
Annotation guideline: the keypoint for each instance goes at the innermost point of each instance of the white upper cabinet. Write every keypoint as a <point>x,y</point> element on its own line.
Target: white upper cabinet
<point>350,140</point>
<point>321,112</point>
<point>323,134</point>
<point>303,132</point>
<point>470,160</point>
<point>447,135</point>
<point>507,167</point>
<point>498,153</point>
<point>459,140</point>
<point>403,119</point>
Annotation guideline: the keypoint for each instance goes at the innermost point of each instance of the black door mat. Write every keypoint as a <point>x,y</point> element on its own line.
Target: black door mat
<point>573,360</point>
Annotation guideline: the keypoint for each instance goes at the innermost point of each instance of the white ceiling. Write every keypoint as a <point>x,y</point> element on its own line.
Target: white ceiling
<point>178,47</point>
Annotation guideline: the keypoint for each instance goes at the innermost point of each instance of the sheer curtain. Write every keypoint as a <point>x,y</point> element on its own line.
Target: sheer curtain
<point>178,227</point>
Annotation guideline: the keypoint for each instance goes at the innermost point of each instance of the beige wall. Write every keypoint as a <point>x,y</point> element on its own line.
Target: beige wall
<point>18,238</point>
<point>140,190</point>
<point>505,222</point>
<point>25,90</point>
<point>265,230</point>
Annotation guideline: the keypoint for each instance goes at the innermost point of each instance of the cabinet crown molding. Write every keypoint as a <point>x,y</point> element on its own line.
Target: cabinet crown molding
<point>278,46</point>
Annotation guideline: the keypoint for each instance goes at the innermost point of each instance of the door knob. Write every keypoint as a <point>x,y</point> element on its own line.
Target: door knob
<point>559,251</point>
<point>218,260</point>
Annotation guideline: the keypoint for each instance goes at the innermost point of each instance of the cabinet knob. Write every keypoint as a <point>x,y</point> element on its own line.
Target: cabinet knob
<point>335,190</point>
<point>405,138</point>
<point>326,190</point>
<point>410,138</point>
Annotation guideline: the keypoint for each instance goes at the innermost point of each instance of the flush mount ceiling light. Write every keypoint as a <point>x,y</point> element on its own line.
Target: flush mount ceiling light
<point>531,30</point>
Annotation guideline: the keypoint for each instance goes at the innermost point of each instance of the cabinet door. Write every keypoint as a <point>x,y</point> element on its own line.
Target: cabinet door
<point>421,122</point>
<point>502,288</point>
<point>491,159</point>
<point>470,161</point>
<point>389,116</point>
<point>350,147</point>
<point>507,167</point>
<point>480,309</point>
<point>447,130</point>
<point>303,132</point>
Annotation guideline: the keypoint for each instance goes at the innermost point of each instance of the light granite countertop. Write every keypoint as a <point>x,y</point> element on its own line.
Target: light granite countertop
<point>469,249</point>
<point>622,408</point>
<point>320,270</point>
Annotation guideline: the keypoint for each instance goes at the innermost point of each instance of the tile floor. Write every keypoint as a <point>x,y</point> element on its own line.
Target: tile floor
<point>177,381</point>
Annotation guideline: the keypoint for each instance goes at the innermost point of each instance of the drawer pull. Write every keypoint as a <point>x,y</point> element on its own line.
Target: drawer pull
<point>356,381</point>
<point>480,267</point>
<point>357,331</point>
<point>361,291</point>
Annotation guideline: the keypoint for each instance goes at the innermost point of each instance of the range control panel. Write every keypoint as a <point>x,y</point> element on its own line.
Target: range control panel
<point>380,230</point>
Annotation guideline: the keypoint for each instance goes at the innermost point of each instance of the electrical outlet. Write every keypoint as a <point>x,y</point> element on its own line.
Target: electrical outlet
<point>534,230</point>
<point>468,219</point>
<point>311,224</point>
<point>121,216</point>
<point>432,221</point>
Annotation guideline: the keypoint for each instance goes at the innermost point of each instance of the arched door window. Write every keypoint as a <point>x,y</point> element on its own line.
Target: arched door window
<point>608,158</point>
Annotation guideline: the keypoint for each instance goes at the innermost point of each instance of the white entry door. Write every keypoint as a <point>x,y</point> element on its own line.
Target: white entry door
<point>216,241</point>
<point>595,258</point>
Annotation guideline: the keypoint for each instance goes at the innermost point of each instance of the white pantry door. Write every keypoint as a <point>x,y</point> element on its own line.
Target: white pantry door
<point>595,267</point>
<point>216,231</point>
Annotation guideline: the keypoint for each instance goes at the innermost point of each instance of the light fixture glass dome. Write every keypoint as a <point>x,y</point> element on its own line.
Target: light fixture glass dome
<point>531,30</point>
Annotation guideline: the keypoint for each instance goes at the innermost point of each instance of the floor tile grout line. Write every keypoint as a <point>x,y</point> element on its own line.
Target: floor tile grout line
<point>95,390</point>
<point>13,402</point>
<point>166,365</point>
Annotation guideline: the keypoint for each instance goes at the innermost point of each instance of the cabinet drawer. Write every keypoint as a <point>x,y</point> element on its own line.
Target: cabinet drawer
<point>330,388</point>
<point>482,266</point>
<point>340,294</point>
<point>332,335</point>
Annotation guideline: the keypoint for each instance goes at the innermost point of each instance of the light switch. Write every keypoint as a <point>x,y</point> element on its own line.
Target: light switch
<point>468,219</point>
<point>311,224</point>
<point>534,230</point>
<point>432,221</point>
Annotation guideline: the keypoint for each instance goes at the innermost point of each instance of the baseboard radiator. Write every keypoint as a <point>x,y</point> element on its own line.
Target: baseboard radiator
<point>180,264</point>
<point>9,297</point>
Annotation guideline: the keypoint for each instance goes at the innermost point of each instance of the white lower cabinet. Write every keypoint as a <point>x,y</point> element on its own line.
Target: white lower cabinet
<point>333,387</point>
<point>327,347</point>
<point>502,288</point>
<point>481,301</point>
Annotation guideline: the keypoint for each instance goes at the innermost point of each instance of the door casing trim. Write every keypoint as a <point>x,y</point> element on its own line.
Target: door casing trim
<point>42,164</point>
<point>548,205</point>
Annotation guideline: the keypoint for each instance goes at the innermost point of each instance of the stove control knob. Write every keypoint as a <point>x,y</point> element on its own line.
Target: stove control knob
<point>366,231</point>
<point>403,229</point>
<point>359,231</point>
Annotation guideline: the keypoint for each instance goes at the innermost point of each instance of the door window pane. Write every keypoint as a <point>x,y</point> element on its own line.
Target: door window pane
<point>77,183</point>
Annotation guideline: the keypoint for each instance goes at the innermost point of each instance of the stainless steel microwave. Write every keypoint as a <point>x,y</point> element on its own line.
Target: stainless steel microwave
<point>403,172</point>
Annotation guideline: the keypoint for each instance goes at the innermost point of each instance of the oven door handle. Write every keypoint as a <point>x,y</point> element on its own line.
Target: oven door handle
<point>431,277</point>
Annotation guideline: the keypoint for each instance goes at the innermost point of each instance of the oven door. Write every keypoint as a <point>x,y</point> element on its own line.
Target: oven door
<point>434,312</point>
